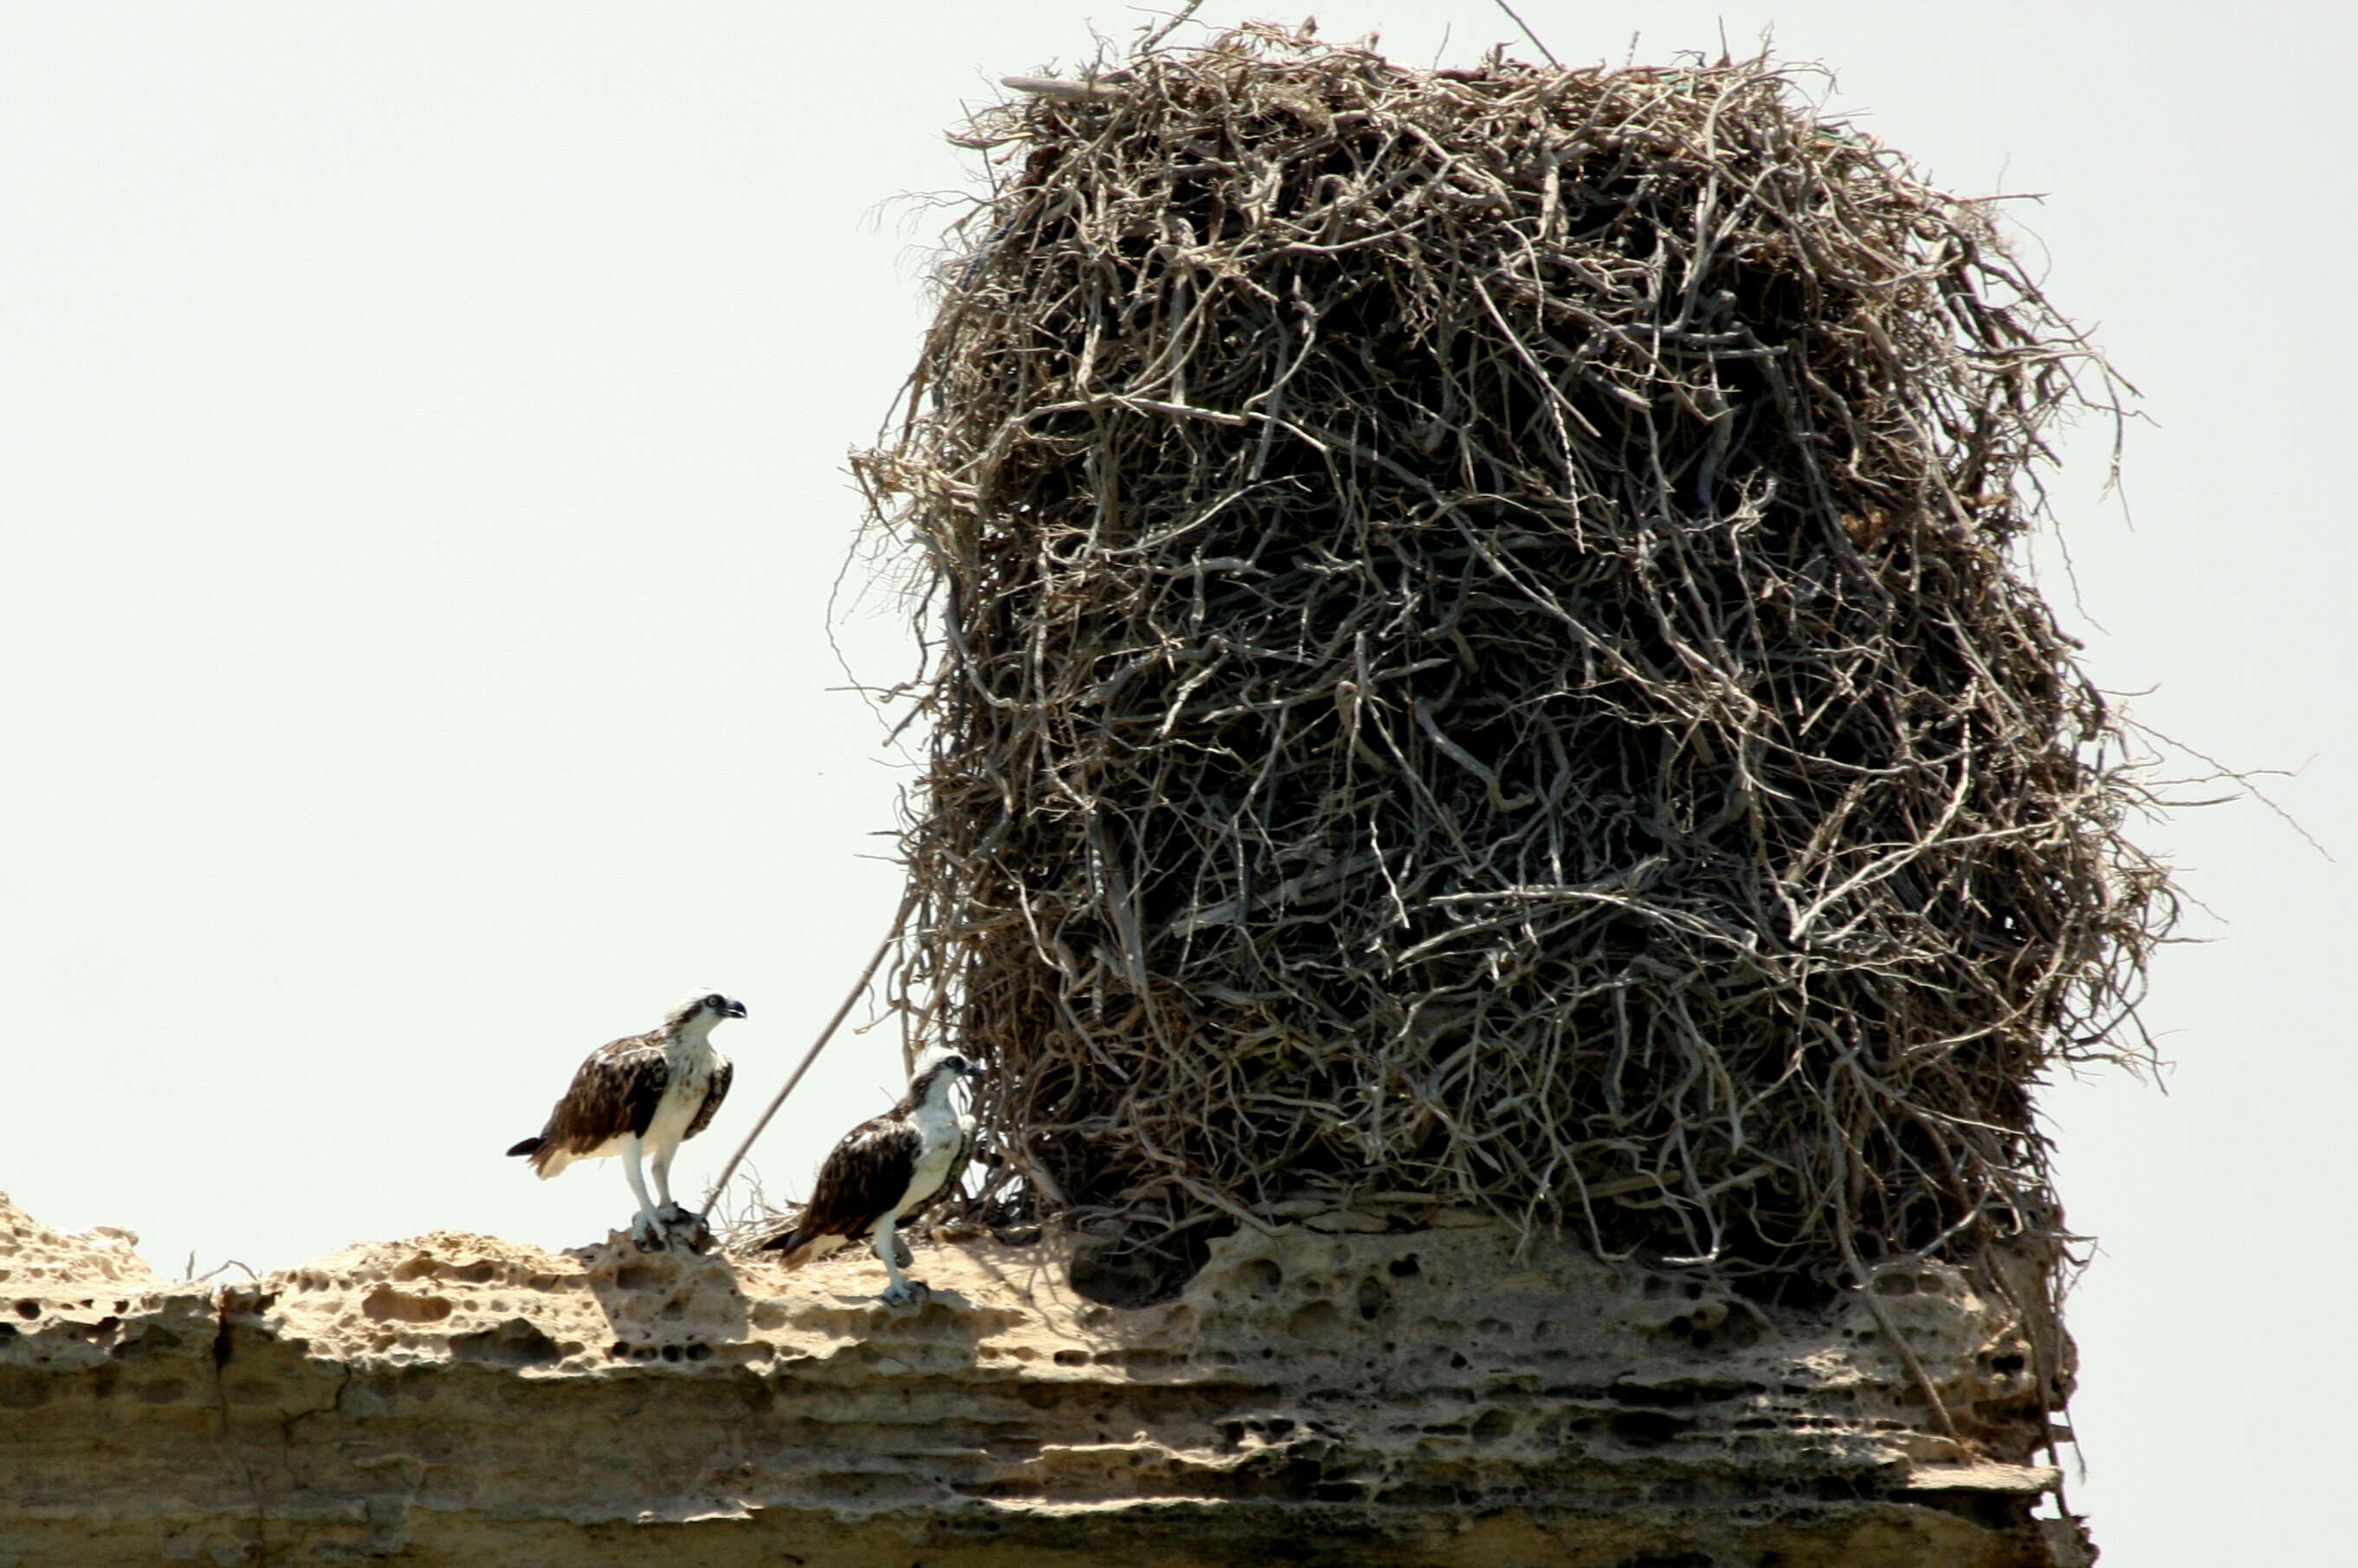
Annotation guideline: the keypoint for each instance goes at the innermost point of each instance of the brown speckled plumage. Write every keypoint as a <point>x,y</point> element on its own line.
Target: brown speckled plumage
<point>869,1174</point>
<point>648,1092</point>
<point>616,1091</point>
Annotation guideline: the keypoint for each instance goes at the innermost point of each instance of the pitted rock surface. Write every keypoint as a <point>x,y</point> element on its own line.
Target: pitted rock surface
<point>1342,1391</point>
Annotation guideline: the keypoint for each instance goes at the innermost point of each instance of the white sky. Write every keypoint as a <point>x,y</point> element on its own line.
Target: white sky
<point>421,456</point>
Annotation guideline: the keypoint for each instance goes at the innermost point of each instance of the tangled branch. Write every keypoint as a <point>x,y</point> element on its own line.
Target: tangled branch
<point>1480,653</point>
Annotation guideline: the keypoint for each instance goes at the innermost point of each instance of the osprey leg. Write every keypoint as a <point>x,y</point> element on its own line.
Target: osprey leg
<point>665,1209</point>
<point>902,1290</point>
<point>669,1213</point>
<point>648,1231</point>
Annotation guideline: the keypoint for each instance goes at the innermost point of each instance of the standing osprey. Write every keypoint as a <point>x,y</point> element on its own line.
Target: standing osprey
<point>886,1169</point>
<point>651,1092</point>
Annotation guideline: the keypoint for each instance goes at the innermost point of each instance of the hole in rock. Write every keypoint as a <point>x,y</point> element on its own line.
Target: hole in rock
<point>385,1305</point>
<point>513,1343</point>
<point>1134,1271</point>
<point>1319,1320</point>
<point>1645,1429</point>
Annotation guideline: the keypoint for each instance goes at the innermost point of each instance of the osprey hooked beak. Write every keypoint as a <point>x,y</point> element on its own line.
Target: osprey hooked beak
<point>732,1008</point>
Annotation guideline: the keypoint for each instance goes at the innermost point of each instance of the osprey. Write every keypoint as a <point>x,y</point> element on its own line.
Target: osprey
<point>886,1169</point>
<point>650,1092</point>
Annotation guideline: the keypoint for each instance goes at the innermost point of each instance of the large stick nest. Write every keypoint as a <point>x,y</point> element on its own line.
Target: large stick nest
<point>1480,654</point>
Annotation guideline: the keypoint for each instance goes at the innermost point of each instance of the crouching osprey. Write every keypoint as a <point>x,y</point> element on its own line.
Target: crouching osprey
<point>650,1092</point>
<point>885,1171</point>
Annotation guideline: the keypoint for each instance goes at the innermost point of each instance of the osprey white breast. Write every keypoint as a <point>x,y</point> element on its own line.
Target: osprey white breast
<point>942,1137</point>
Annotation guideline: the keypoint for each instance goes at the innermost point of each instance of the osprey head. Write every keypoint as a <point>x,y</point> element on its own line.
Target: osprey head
<point>934,1074</point>
<point>705,1008</point>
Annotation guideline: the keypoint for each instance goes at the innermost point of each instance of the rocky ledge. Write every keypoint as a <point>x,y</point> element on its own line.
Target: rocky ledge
<point>1349,1389</point>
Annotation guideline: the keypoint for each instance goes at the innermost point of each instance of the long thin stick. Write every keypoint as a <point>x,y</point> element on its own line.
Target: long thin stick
<point>1170,25</point>
<point>1509,10</point>
<point>817,1046</point>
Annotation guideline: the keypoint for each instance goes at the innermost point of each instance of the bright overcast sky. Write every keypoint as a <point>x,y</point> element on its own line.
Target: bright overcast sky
<point>422,434</point>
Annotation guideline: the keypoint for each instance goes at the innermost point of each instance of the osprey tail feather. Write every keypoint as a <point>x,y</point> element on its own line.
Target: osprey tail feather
<point>798,1246</point>
<point>546,1158</point>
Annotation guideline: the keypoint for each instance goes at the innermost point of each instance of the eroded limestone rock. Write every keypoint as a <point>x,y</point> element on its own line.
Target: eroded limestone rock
<point>1340,1392</point>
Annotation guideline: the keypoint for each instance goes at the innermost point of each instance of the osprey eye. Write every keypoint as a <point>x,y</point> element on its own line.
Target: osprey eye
<point>716,1002</point>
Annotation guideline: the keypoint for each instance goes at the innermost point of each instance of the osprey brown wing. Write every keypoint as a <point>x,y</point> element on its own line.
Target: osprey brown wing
<point>615,1091</point>
<point>862,1178</point>
<point>724,1072</point>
